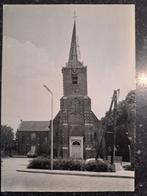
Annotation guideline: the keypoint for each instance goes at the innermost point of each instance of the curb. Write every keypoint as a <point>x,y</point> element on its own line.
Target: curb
<point>57,172</point>
<point>19,156</point>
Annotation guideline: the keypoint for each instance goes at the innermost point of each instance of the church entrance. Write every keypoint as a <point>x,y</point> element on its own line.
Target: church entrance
<point>76,147</point>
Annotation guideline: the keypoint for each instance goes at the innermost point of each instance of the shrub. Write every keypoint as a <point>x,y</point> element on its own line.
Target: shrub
<point>40,163</point>
<point>128,167</point>
<point>57,164</point>
<point>65,164</point>
<point>60,164</point>
<point>75,165</point>
<point>97,166</point>
<point>109,167</point>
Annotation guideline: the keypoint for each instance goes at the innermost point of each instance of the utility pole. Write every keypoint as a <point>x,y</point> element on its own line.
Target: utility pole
<point>115,98</point>
<point>114,106</point>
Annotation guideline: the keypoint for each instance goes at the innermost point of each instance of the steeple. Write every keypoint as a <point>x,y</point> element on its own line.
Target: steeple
<point>73,60</point>
<point>75,73</point>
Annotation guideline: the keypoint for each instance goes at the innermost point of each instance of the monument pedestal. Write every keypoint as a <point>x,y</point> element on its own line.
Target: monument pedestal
<point>117,165</point>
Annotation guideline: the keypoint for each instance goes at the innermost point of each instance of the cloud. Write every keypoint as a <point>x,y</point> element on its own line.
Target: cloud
<point>25,69</point>
<point>24,59</point>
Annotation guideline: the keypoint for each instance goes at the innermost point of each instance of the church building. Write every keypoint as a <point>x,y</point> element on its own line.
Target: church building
<point>76,128</point>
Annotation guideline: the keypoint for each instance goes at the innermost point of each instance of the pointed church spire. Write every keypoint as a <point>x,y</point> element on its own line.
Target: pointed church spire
<point>73,60</point>
<point>73,48</point>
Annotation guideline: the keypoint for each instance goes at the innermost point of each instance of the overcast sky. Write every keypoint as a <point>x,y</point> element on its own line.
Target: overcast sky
<point>36,43</point>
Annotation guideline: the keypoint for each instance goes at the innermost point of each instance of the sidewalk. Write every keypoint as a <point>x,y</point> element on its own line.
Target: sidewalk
<point>118,174</point>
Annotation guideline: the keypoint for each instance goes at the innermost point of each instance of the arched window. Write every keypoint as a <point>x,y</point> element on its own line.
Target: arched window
<point>76,143</point>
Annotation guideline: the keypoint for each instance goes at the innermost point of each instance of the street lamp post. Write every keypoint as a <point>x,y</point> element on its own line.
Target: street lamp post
<point>51,93</point>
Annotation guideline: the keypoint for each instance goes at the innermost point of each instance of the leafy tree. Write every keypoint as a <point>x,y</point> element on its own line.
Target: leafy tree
<point>131,121</point>
<point>7,136</point>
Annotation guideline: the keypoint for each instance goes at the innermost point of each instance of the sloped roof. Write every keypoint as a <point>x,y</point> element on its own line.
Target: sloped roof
<point>34,126</point>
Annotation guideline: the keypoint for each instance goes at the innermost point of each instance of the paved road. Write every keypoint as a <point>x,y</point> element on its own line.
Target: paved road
<point>11,180</point>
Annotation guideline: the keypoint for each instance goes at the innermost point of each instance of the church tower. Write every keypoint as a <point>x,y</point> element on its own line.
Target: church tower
<point>76,126</point>
<point>74,74</point>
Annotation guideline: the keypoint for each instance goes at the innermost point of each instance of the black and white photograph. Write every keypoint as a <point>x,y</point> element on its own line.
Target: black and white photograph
<point>68,98</point>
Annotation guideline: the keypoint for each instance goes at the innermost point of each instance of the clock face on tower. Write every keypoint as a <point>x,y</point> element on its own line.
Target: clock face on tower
<point>74,71</point>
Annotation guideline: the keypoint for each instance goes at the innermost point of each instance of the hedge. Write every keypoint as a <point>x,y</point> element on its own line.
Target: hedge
<point>69,164</point>
<point>97,166</point>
